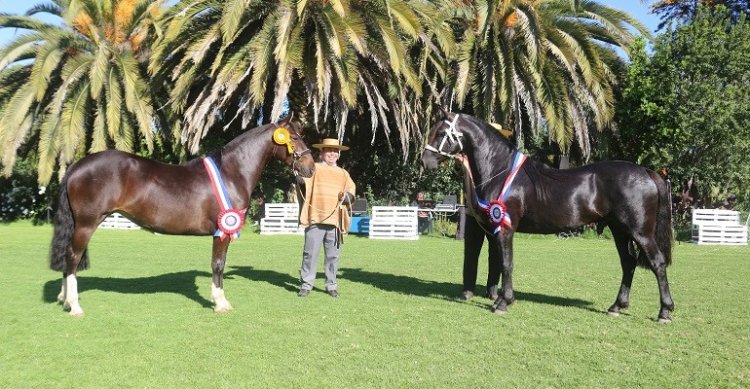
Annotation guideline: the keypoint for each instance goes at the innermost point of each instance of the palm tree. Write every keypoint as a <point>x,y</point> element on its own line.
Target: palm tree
<point>247,59</point>
<point>77,86</point>
<point>541,65</point>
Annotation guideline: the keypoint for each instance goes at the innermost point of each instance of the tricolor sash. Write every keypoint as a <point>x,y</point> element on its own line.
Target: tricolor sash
<point>496,209</point>
<point>229,220</point>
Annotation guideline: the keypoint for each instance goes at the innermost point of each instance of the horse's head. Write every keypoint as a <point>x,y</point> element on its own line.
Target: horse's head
<point>291,149</point>
<point>443,141</point>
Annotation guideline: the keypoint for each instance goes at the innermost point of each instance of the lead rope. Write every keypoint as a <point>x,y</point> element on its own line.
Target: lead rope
<point>496,210</point>
<point>335,208</point>
<point>470,182</point>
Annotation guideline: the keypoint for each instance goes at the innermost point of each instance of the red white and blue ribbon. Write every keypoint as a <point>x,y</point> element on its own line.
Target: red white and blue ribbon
<point>496,210</point>
<point>230,220</point>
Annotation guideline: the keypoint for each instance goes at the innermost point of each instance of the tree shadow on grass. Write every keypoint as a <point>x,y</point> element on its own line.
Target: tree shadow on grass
<point>182,283</point>
<point>449,291</point>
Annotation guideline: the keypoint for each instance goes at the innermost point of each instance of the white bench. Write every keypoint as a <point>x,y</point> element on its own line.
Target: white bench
<point>718,226</point>
<point>393,223</point>
<point>281,218</point>
<point>117,221</point>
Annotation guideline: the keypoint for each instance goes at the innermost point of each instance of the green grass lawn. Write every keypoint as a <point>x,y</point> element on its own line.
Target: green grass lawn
<point>397,322</point>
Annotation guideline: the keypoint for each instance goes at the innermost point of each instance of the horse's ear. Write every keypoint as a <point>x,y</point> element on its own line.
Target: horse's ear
<point>285,121</point>
<point>444,111</point>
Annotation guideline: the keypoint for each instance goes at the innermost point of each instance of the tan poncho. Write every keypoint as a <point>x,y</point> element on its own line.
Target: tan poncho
<point>321,201</point>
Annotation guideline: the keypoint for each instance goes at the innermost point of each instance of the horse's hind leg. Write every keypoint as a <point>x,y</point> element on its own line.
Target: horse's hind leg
<point>628,263</point>
<point>657,262</point>
<point>81,237</point>
<point>218,261</point>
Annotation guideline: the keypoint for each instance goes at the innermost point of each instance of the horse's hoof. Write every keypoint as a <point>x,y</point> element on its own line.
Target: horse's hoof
<point>223,309</point>
<point>466,296</point>
<point>500,312</point>
<point>78,313</point>
<point>492,293</point>
<point>663,320</point>
<point>613,313</point>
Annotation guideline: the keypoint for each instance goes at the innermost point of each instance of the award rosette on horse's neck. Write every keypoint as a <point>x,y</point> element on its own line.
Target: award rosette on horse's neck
<point>230,220</point>
<point>281,137</point>
<point>496,210</point>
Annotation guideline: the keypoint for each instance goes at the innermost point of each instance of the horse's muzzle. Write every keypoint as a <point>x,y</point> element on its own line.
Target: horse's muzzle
<point>430,160</point>
<point>304,166</point>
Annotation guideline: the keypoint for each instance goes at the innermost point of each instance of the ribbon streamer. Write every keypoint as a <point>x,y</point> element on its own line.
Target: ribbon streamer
<point>229,220</point>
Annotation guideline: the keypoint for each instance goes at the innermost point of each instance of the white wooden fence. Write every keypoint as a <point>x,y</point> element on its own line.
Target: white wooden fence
<point>117,221</point>
<point>394,223</point>
<point>718,226</point>
<point>281,218</point>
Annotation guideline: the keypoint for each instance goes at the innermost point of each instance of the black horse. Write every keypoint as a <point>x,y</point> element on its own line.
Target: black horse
<point>206,196</point>
<point>510,193</point>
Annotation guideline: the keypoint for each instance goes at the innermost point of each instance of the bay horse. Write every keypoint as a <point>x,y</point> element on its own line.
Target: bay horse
<point>510,193</point>
<point>169,199</point>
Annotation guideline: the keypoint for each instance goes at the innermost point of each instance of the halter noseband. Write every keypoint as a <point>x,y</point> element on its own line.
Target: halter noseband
<point>452,135</point>
<point>296,157</point>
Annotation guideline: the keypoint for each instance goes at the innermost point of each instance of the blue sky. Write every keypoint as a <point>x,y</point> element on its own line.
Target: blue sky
<point>634,7</point>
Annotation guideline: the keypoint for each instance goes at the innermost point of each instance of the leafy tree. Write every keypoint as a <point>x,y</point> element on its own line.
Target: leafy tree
<point>20,196</point>
<point>687,108</point>
<point>78,86</point>
<point>683,11</point>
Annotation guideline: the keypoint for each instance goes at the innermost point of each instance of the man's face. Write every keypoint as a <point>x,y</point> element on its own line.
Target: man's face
<point>329,155</point>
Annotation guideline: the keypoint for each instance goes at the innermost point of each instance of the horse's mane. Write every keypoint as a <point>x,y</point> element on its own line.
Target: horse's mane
<point>217,153</point>
<point>533,168</point>
<point>536,171</point>
<point>492,134</point>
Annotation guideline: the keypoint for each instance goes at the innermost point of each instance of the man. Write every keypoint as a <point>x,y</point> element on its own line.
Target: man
<point>474,236</point>
<point>324,214</point>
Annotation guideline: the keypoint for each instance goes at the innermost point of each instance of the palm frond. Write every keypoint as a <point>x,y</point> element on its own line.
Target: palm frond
<point>73,124</point>
<point>47,60</point>
<point>114,109</point>
<point>136,100</point>
<point>231,17</point>
<point>407,20</point>
<point>99,70</point>
<point>15,124</point>
<point>50,8</point>
<point>99,130</point>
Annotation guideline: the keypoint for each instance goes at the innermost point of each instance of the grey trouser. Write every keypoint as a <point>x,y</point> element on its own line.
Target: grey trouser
<point>315,236</point>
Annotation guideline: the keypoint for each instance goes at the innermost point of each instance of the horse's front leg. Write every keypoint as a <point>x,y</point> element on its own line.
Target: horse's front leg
<point>505,249</point>
<point>218,261</point>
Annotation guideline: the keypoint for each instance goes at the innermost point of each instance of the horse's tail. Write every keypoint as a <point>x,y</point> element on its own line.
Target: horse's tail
<point>663,219</point>
<point>62,237</point>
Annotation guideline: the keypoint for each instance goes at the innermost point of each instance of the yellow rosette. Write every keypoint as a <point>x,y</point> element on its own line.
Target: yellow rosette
<point>281,137</point>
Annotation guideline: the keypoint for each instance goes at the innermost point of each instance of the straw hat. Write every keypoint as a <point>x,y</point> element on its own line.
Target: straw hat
<point>331,143</point>
<point>504,132</point>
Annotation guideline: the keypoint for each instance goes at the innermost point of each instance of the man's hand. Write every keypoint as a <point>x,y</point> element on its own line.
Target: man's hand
<point>346,198</point>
